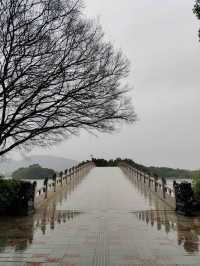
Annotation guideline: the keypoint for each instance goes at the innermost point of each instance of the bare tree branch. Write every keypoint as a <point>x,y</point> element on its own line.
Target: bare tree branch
<point>57,74</point>
<point>196,11</point>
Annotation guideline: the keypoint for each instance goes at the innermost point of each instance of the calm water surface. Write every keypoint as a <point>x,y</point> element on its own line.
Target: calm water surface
<point>103,219</point>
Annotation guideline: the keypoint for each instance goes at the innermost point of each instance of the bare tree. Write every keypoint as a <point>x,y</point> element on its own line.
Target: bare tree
<point>196,11</point>
<point>57,74</point>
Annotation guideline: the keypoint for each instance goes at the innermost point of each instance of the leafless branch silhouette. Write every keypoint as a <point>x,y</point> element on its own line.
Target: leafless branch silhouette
<point>57,74</point>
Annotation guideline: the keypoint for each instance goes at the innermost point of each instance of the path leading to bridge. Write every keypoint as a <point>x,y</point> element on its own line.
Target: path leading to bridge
<point>103,219</point>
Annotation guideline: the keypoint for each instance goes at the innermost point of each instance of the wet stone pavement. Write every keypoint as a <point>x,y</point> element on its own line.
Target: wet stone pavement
<point>104,219</point>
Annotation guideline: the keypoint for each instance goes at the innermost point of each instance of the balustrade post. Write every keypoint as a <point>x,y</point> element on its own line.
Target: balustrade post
<point>54,180</point>
<point>163,187</point>
<point>46,186</point>
<point>155,182</point>
<point>35,191</point>
<point>61,177</point>
<point>149,181</point>
<point>155,185</point>
<point>69,174</point>
<point>66,171</point>
<point>72,172</point>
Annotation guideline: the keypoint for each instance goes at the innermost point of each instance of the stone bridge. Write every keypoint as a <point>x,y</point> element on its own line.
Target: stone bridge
<point>155,185</point>
<point>102,217</point>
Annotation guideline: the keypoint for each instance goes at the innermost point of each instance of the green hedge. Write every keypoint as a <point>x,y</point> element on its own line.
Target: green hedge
<point>196,186</point>
<point>9,191</point>
<point>14,197</point>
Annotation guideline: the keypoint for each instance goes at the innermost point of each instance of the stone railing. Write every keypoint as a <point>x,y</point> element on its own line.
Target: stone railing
<point>60,182</point>
<point>155,185</point>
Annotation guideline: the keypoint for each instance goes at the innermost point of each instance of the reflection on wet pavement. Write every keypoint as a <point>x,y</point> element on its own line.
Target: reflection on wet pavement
<point>104,219</point>
<point>185,230</point>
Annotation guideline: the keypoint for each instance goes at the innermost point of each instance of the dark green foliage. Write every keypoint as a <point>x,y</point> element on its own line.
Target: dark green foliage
<point>170,172</point>
<point>14,197</point>
<point>196,185</point>
<point>9,191</point>
<point>106,163</point>
<point>34,171</point>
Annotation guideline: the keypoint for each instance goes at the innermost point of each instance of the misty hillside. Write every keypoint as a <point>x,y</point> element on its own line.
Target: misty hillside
<point>52,162</point>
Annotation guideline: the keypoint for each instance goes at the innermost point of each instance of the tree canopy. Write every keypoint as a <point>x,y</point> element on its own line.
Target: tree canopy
<point>57,74</point>
<point>100,162</point>
<point>34,171</point>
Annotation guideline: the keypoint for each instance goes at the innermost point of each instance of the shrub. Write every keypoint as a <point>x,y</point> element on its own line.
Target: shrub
<point>196,185</point>
<point>14,196</point>
<point>9,191</point>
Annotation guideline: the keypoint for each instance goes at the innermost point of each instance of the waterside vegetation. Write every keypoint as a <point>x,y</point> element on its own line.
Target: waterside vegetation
<point>196,186</point>
<point>14,196</point>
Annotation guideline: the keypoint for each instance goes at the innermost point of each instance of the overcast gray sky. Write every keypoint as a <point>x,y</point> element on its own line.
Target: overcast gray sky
<point>160,39</point>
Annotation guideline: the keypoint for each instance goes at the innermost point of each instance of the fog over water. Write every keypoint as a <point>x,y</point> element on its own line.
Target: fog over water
<point>161,41</point>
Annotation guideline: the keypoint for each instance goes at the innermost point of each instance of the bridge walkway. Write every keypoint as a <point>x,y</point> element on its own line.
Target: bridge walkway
<point>104,219</point>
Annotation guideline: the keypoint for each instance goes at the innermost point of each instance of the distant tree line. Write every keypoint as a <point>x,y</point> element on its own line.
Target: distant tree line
<point>115,162</point>
<point>105,163</point>
<point>170,172</point>
<point>34,171</point>
<point>165,172</point>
